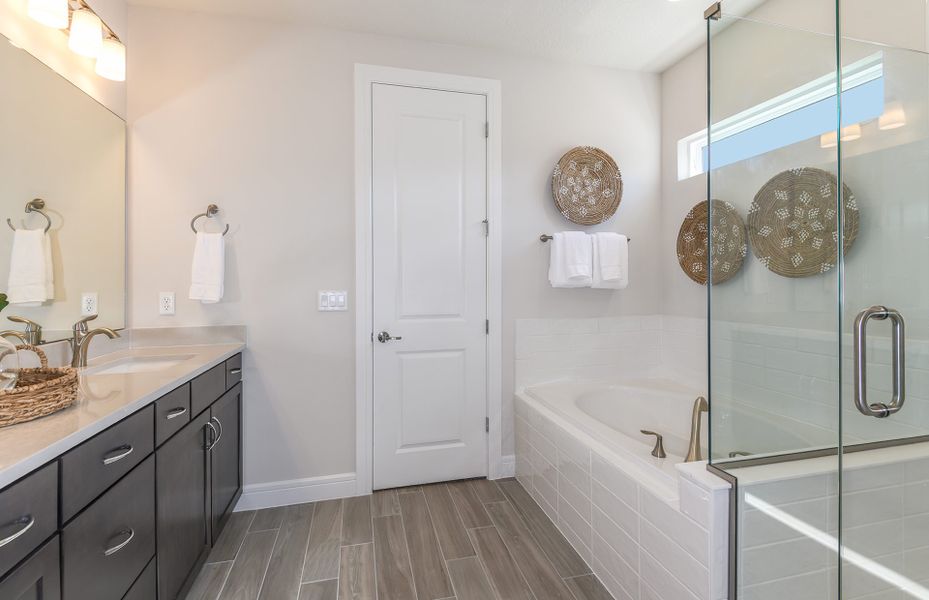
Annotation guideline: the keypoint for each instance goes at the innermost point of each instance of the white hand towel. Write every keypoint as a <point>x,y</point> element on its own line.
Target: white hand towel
<point>207,271</point>
<point>571,260</point>
<point>611,261</point>
<point>30,282</point>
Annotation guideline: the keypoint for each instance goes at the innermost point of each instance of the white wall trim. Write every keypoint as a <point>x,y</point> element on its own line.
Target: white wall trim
<point>296,491</point>
<point>507,466</point>
<point>365,77</point>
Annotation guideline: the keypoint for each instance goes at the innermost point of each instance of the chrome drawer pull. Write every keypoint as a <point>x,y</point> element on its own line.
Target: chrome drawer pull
<point>124,451</point>
<point>114,549</point>
<point>235,371</point>
<point>27,522</point>
<point>215,434</point>
<point>220,425</point>
<point>176,412</point>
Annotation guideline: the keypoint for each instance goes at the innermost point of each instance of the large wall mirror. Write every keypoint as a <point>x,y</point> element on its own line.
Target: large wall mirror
<point>59,145</point>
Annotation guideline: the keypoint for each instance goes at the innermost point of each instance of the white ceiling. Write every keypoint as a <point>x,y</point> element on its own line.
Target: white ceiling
<point>642,35</point>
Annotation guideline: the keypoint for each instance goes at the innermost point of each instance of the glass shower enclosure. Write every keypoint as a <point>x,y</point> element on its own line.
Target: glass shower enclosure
<point>817,156</point>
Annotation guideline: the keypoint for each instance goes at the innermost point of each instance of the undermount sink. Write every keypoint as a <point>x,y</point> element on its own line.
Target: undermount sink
<point>139,364</point>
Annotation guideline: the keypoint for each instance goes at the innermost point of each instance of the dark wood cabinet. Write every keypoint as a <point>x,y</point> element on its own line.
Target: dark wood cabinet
<point>225,457</point>
<point>38,578</point>
<point>132,512</point>
<point>181,481</point>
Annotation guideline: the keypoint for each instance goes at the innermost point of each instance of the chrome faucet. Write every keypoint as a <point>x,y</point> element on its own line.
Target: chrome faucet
<point>33,333</point>
<point>694,452</point>
<point>80,341</point>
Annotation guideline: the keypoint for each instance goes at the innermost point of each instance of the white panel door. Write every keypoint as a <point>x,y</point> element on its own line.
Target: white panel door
<point>430,293</point>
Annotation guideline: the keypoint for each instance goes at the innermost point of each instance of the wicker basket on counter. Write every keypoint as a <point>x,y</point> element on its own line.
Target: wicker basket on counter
<point>38,392</point>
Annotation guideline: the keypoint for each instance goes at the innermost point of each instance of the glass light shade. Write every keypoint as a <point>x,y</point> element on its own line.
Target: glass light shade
<point>111,63</point>
<point>828,140</point>
<point>894,116</point>
<point>51,13</point>
<point>86,36</point>
<point>851,133</point>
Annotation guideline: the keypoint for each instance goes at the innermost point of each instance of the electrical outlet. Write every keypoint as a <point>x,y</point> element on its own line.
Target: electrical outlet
<point>88,304</point>
<point>166,303</point>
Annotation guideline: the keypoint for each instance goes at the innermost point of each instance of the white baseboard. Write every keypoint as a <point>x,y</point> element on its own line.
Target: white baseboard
<point>296,491</point>
<point>507,466</point>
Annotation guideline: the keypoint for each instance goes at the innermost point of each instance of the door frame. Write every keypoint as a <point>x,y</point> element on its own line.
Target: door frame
<point>365,77</point>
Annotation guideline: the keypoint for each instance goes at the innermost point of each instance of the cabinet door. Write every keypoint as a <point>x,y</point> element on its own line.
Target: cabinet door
<point>225,458</point>
<point>181,486</point>
<point>39,578</point>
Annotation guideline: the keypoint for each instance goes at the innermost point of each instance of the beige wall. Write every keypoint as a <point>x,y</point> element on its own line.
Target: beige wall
<point>257,116</point>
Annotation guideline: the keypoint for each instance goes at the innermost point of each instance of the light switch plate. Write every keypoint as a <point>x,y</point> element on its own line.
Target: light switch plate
<point>166,303</point>
<point>332,301</point>
<point>89,304</point>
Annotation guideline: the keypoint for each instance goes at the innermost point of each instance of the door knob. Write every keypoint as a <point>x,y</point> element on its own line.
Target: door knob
<point>384,337</point>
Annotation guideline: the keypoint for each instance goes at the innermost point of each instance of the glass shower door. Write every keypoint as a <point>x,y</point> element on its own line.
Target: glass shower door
<point>884,499</point>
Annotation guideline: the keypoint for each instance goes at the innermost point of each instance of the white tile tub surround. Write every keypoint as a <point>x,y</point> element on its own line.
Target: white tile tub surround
<point>643,537</point>
<point>607,348</point>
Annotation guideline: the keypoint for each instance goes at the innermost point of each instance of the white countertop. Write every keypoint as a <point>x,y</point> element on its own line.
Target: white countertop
<point>102,401</point>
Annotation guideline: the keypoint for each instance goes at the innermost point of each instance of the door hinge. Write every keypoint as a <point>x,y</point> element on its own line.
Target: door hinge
<point>487,424</point>
<point>487,326</point>
<point>486,225</point>
<point>486,129</point>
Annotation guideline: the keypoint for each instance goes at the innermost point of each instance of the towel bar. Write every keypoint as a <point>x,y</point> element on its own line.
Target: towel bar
<point>545,237</point>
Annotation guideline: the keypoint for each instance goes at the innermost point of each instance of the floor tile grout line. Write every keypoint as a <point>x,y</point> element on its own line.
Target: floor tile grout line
<point>409,555</point>
<point>508,553</point>
<point>513,556</point>
<point>338,576</point>
<point>264,573</point>
<point>373,542</point>
<point>236,556</point>
<point>306,547</point>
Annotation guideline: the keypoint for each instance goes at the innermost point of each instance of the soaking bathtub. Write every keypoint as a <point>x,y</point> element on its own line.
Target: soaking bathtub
<point>647,527</point>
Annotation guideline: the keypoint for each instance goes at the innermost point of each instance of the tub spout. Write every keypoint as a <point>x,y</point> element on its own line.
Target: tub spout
<point>694,453</point>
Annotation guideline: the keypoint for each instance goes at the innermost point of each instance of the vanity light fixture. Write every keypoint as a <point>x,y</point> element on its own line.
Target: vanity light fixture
<point>86,37</point>
<point>51,13</point>
<point>828,140</point>
<point>894,117</point>
<point>851,133</point>
<point>111,64</point>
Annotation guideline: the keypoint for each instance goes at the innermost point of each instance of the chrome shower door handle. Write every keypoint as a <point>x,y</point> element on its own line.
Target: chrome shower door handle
<point>898,368</point>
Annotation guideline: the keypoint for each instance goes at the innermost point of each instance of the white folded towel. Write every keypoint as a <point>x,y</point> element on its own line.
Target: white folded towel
<point>571,260</point>
<point>611,261</point>
<point>31,281</point>
<point>207,271</point>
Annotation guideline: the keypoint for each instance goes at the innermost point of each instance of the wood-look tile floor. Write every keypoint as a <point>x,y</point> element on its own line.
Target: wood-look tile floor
<point>463,540</point>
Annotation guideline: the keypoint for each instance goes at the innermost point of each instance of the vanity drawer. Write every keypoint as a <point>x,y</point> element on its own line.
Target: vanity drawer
<point>28,515</point>
<point>95,465</point>
<point>39,578</point>
<point>207,388</point>
<point>172,412</point>
<point>144,587</point>
<point>233,371</point>
<point>108,545</point>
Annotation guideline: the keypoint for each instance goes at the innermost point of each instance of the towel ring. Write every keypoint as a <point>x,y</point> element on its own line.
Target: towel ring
<point>211,210</point>
<point>34,206</point>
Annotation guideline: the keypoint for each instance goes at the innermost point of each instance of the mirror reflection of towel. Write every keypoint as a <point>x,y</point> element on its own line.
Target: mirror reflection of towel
<point>31,281</point>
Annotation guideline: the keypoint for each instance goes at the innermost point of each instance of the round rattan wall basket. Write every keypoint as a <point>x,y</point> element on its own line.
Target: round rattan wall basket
<point>729,247</point>
<point>793,224</point>
<point>587,186</point>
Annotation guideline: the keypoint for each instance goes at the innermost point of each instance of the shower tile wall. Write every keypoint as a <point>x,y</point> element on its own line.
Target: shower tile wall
<point>788,528</point>
<point>641,543</point>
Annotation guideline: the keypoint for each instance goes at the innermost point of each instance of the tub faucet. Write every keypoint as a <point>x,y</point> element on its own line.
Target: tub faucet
<point>658,450</point>
<point>694,453</point>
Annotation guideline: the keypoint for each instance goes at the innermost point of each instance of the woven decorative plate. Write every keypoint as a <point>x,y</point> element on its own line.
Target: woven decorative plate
<point>793,224</point>
<point>587,186</point>
<point>729,248</point>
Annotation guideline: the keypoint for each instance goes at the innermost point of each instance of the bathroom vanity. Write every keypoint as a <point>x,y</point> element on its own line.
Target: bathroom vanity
<point>123,495</point>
